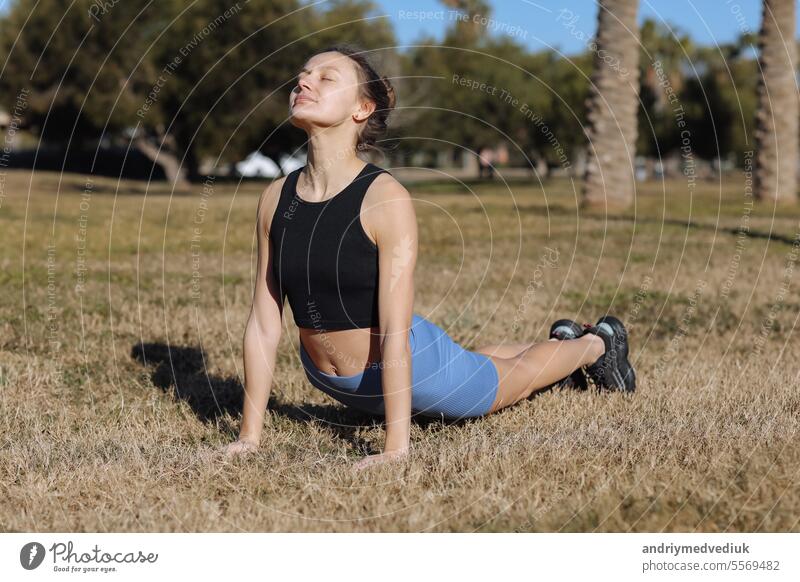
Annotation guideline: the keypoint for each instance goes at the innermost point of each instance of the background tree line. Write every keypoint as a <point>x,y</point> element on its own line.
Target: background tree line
<point>182,83</point>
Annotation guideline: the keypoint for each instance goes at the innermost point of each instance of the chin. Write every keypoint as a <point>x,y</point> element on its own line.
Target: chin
<point>305,119</point>
<point>299,118</point>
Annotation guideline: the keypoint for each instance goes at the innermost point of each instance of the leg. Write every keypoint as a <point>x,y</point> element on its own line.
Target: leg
<point>506,350</point>
<point>540,365</point>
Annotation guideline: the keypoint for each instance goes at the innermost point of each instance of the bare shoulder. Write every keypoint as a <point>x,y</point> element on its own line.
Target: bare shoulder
<point>386,187</point>
<point>268,202</point>
<point>387,205</point>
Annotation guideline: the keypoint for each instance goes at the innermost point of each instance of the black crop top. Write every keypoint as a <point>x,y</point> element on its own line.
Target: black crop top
<point>322,258</point>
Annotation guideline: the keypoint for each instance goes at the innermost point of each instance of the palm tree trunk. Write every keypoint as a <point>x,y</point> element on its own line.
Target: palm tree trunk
<point>777,115</point>
<point>612,106</point>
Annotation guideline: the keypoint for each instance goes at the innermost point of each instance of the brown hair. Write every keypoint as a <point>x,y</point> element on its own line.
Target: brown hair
<point>374,87</point>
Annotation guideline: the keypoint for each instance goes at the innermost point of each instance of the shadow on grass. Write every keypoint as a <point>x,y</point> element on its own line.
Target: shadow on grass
<point>182,371</point>
<point>559,210</point>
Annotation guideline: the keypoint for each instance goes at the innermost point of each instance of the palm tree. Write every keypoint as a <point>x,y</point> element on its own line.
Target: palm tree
<point>612,106</point>
<point>777,115</point>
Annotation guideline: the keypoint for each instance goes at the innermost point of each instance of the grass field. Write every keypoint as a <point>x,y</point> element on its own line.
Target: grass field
<point>123,311</point>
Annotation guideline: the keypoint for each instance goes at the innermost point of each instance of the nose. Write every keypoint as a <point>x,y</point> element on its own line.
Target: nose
<point>303,84</point>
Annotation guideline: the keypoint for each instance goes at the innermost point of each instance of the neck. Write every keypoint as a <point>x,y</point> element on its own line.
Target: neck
<point>332,163</point>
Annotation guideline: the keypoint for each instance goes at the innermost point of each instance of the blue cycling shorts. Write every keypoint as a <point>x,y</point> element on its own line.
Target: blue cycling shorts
<point>448,381</point>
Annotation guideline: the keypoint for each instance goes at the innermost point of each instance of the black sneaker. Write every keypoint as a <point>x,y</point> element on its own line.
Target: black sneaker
<point>565,329</point>
<point>612,370</point>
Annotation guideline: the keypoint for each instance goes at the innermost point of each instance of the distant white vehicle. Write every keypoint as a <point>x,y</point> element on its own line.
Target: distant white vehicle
<point>257,165</point>
<point>291,163</point>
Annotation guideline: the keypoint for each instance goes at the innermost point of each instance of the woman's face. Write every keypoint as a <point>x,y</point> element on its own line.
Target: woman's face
<point>326,92</point>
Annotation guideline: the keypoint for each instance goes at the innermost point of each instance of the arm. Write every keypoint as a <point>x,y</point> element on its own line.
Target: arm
<point>396,235</point>
<point>262,333</point>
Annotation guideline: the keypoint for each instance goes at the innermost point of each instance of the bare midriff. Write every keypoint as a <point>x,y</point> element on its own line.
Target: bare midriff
<point>342,352</point>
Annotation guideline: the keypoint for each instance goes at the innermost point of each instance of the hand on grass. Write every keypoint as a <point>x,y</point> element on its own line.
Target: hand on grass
<point>380,458</point>
<point>240,448</point>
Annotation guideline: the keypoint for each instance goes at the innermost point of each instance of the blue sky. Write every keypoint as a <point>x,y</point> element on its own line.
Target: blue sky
<point>542,23</point>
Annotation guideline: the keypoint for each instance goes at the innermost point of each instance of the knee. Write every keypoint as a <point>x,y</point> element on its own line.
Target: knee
<point>529,368</point>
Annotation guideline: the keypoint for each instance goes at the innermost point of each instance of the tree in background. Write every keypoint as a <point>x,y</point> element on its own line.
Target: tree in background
<point>221,68</point>
<point>484,90</point>
<point>558,139</point>
<point>180,82</point>
<point>776,119</point>
<point>197,86</point>
<point>612,107</point>
<point>231,94</point>
<point>718,100</point>
<point>740,95</point>
<point>85,74</point>
<point>467,31</point>
<point>664,52</point>
<point>455,114</point>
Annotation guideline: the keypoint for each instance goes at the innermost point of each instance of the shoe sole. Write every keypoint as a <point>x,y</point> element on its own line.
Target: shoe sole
<point>622,373</point>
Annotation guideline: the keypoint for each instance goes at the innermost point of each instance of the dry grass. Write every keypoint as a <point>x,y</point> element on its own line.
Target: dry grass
<point>115,428</point>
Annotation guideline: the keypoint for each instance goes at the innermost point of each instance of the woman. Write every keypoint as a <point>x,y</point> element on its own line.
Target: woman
<point>339,238</point>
